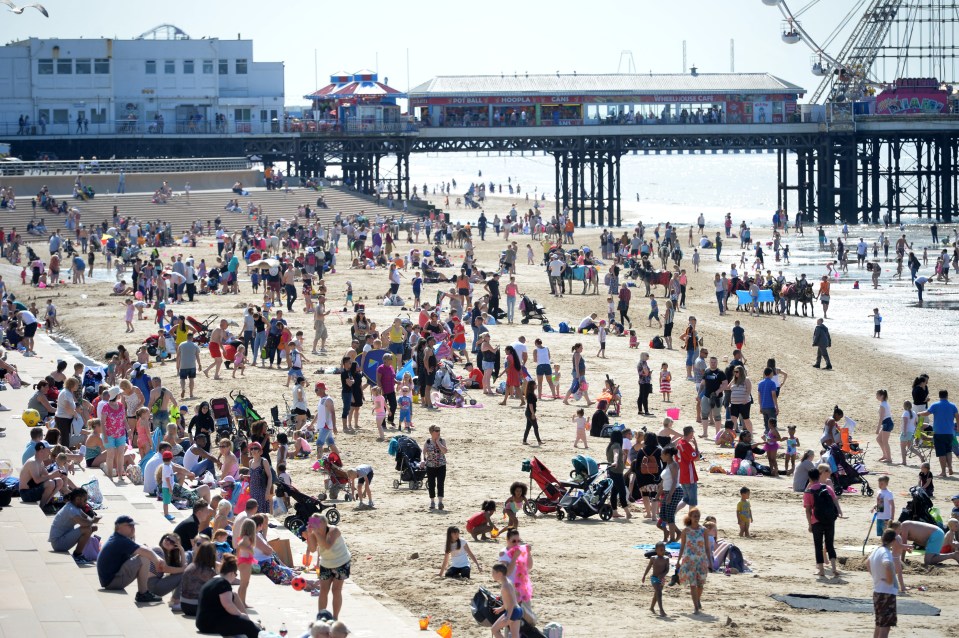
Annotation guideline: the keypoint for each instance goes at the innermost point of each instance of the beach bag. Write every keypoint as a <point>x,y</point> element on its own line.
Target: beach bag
<point>279,507</point>
<point>735,560</point>
<point>657,343</point>
<point>734,467</point>
<point>135,474</point>
<point>13,379</point>
<point>746,468</point>
<point>553,630</point>
<point>91,551</point>
<point>94,495</point>
<point>648,466</point>
<point>823,505</point>
<point>564,328</point>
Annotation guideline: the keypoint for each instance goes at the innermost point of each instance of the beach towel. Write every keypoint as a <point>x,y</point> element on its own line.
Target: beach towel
<point>904,606</point>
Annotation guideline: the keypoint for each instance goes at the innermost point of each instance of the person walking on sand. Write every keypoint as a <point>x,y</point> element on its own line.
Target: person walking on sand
<point>693,561</point>
<point>822,342</point>
<point>822,509</point>
<point>882,567</point>
<point>217,339</point>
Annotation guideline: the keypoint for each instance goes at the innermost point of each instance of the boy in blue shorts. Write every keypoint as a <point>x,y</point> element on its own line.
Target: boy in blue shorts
<point>405,402</point>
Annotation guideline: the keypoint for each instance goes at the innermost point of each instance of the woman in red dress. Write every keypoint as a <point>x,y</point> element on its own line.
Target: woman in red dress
<point>512,374</point>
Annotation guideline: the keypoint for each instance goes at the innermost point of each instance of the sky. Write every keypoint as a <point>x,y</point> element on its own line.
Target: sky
<point>442,38</point>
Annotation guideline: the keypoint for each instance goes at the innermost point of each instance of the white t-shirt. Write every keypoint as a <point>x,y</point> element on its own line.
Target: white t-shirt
<point>909,420</point>
<point>880,560</point>
<point>458,557</point>
<point>521,351</point>
<point>885,514</point>
<point>166,475</point>
<point>190,459</point>
<point>555,268</point>
<point>149,471</point>
<point>65,402</point>
<point>580,422</point>
<point>27,317</point>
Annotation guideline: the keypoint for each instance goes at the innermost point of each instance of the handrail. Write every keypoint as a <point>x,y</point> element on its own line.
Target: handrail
<point>90,166</point>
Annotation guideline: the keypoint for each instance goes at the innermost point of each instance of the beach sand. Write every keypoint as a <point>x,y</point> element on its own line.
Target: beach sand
<point>587,573</point>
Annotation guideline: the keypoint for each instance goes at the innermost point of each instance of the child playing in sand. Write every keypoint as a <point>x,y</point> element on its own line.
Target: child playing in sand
<point>876,322</point>
<point>580,420</point>
<point>792,449</point>
<point>557,374</point>
<point>511,612</point>
<point>239,361</point>
<point>727,436</point>
<point>744,512</point>
<point>360,480</point>
<point>379,411</point>
<point>514,504</point>
<point>456,556</point>
<point>659,565</point>
<point>885,507</point>
<point>925,479</point>
<point>610,309</point>
<point>633,340</point>
<point>601,337</point>
<point>51,321</point>
<point>301,446</point>
<point>405,403</point>
<point>665,380</point>
<point>128,314</point>
<point>481,523</point>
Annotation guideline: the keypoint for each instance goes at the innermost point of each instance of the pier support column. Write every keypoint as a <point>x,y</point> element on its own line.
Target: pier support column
<point>946,147</point>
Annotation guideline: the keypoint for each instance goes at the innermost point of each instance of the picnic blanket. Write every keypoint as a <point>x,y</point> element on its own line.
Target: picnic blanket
<point>904,606</point>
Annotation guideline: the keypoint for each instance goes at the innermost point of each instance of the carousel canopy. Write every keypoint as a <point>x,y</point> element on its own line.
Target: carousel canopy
<point>363,84</point>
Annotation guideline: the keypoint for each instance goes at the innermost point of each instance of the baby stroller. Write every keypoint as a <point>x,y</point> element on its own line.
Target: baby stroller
<point>408,462</point>
<point>846,475</point>
<point>202,329</point>
<point>584,468</point>
<point>583,503</point>
<point>243,410</point>
<point>222,418</point>
<point>304,507</point>
<point>919,508</point>
<point>331,466</point>
<point>552,490</point>
<point>532,310</point>
<point>450,390</point>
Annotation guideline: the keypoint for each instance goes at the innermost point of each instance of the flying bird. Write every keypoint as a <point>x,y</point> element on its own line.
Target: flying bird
<point>18,10</point>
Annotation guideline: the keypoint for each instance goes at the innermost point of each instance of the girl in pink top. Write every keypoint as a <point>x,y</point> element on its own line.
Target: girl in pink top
<point>512,290</point>
<point>379,411</point>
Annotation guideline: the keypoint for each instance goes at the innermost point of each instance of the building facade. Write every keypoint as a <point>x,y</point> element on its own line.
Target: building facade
<point>160,83</point>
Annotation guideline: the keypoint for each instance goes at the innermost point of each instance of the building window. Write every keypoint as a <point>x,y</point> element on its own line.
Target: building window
<point>65,66</point>
<point>98,116</point>
<point>151,68</point>
<point>207,67</point>
<point>188,67</point>
<point>241,66</point>
<point>224,67</point>
<point>83,66</point>
<point>169,67</point>
<point>61,116</point>
<point>101,66</point>
<point>263,116</point>
<point>45,66</point>
<point>241,115</point>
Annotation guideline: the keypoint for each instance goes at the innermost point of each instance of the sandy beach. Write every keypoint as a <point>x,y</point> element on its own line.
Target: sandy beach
<point>587,573</point>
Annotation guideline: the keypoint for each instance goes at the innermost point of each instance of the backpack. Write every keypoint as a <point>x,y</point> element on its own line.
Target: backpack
<point>823,506</point>
<point>657,343</point>
<point>563,328</point>
<point>649,465</point>
<point>735,560</point>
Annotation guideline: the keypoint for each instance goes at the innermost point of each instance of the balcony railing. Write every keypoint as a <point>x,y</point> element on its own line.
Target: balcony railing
<point>91,166</point>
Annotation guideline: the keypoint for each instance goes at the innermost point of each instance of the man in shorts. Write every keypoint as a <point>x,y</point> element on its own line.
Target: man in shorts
<point>187,363</point>
<point>122,561</point>
<point>882,567</point>
<point>159,402</point>
<point>325,421</point>
<point>71,527</point>
<point>929,536</point>
<point>36,484</point>
<point>945,419</point>
<point>713,384</point>
<point>319,325</point>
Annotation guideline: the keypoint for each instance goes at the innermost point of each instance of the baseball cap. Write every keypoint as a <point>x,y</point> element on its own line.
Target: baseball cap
<point>124,520</point>
<point>955,497</point>
<point>320,385</point>
<point>168,456</point>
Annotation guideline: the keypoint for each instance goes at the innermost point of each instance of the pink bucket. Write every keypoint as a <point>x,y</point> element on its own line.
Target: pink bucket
<point>673,413</point>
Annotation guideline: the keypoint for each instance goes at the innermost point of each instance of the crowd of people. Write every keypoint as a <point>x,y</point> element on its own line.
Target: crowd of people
<point>129,423</point>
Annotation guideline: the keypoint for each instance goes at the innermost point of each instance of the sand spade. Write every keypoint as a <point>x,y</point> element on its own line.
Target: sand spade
<point>868,532</point>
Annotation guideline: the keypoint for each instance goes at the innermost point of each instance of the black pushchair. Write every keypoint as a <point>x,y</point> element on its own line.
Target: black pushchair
<point>587,502</point>
<point>304,507</point>
<point>408,458</point>
<point>482,606</point>
<point>919,508</point>
<point>847,475</point>
<point>532,310</point>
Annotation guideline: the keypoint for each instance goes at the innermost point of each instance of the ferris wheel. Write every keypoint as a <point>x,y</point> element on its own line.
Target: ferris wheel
<point>872,42</point>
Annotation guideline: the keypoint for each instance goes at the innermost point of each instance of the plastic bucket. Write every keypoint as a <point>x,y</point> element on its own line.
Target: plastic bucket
<point>673,413</point>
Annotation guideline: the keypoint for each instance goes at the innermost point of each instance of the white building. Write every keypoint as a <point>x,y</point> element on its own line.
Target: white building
<point>162,82</point>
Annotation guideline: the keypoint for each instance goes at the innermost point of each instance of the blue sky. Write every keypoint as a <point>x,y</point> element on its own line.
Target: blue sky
<point>444,38</point>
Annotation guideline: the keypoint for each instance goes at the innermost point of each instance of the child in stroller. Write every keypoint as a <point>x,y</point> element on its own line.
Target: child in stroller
<point>304,507</point>
<point>532,310</point>
<point>450,388</point>
<point>408,462</point>
<point>845,475</point>
<point>337,478</point>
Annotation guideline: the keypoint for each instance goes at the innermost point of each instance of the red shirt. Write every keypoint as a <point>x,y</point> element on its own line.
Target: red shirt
<point>687,462</point>
<point>476,375</point>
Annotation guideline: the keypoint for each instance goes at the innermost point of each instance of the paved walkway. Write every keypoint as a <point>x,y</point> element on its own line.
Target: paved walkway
<point>46,594</point>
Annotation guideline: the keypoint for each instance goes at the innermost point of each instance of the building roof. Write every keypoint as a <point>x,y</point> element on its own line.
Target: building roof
<point>604,83</point>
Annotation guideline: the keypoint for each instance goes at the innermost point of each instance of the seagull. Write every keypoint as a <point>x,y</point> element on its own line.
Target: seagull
<point>19,10</point>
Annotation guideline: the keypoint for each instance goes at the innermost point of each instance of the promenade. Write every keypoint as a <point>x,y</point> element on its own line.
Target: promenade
<point>46,594</point>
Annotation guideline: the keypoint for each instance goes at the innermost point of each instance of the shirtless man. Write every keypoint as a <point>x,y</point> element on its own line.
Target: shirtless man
<point>217,339</point>
<point>36,484</point>
<point>930,537</point>
<point>319,324</point>
<point>162,398</point>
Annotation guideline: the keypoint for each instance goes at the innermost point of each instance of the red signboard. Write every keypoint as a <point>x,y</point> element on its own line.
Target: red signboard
<point>911,102</point>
